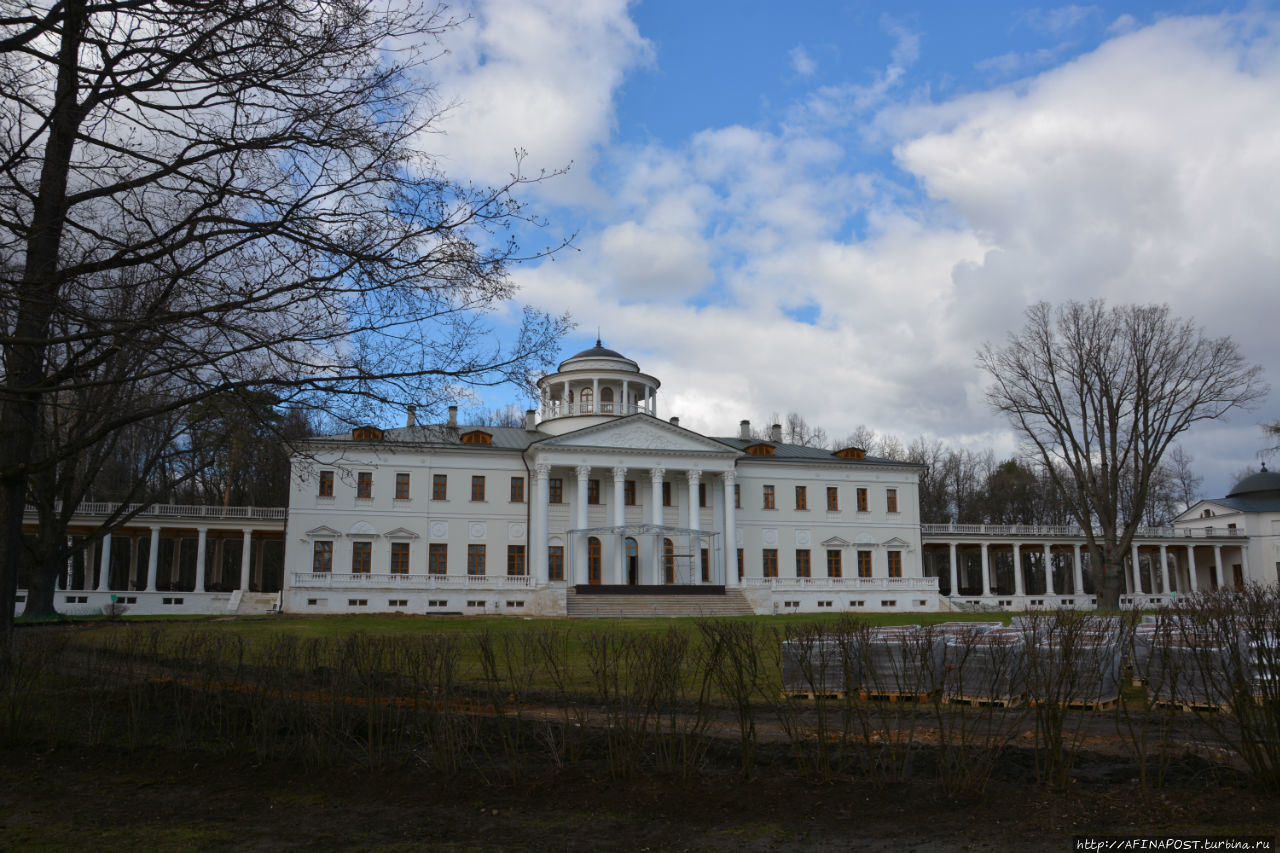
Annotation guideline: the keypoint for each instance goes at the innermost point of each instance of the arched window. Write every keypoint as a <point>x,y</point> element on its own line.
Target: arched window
<point>593,560</point>
<point>669,560</point>
<point>606,401</point>
<point>586,397</point>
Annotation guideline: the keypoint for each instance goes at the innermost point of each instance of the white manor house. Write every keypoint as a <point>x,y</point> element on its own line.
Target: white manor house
<point>596,506</point>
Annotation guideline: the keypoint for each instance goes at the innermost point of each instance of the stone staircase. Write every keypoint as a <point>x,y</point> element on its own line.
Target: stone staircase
<point>732,603</point>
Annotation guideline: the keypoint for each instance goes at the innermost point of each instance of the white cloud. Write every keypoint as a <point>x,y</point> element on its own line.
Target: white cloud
<point>1059,20</point>
<point>801,62</point>
<point>535,75</point>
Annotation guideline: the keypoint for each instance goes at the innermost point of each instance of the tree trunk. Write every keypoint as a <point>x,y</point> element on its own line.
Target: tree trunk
<point>1110,586</point>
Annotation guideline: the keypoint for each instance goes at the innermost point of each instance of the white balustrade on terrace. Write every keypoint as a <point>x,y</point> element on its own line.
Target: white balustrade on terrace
<point>175,511</point>
<point>1068,531</point>
<point>849,584</point>
<point>364,580</point>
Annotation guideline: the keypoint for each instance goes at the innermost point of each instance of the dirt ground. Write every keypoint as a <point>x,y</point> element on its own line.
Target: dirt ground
<point>106,800</point>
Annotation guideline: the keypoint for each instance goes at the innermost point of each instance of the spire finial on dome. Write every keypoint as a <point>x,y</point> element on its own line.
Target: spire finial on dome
<point>598,336</point>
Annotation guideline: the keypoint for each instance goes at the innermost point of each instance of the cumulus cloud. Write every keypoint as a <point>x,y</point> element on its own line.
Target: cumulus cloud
<point>801,62</point>
<point>538,76</point>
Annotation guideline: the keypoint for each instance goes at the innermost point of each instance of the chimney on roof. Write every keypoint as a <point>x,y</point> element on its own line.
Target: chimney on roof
<point>453,416</point>
<point>530,419</point>
<point>412,420</point>
<point>744,430</point>
<point>675,422</point>
<point>775,433</point>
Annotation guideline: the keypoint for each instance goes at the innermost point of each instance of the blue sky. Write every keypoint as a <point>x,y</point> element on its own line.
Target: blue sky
<point>829,207</point>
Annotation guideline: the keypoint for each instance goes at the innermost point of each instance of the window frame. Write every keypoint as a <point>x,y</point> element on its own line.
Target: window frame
<point>555,562</point>
<point>476,559</point>
<point>595,561</point>
<point>666,493</point>
<point>477,488</point>
<point>440,487</point>
<point>802,498</point>
<point>364,485</point>
<point>398,559</point>
<point>517,490</point>
<point>862,504</point>
<point>362,557</point>
<point>895,563</point>
<point>866,566</point>
<point>668,561</point>
<point>628,492</point>
<point>804,563</point>
<point>555,490</point>
<point>768,498</point>
<point>593,492</point>
<point>835,563</point>
<point>438,558</point>
<point>324,488</point>
<point>833,498</point>
<point>769,562</point>
<point>891,500</point>
<point>322,557</point>
<point>516,565</point>
<point>402,486</point>
<point>702,495</point>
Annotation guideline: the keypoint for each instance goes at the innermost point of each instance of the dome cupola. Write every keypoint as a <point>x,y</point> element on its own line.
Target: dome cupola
<point>596,385</point>
<point>1264,484</point>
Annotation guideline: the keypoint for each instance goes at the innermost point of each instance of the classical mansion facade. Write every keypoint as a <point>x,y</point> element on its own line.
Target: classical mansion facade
<point>595,494</point>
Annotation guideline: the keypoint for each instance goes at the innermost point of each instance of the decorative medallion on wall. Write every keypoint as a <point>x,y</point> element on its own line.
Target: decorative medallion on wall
<point>802,539</point>
<point>515,531</point>
<point>439,530</point>
<point>769,536</point>
<point>478,530</point>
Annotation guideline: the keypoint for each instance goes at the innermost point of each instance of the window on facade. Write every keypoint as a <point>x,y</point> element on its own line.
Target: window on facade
<point>737,496</point>
<point>833,499</point>
<point>862,500</point>
<point>475,559</point>
<point>669,560</point>
<point>706,565</point>
<point>555,490</point>
<point>769,563</point>
<point>402,487</point>
<point>399,558</point>
<point>802,563</point>
<point>629,493</point>
<point>593,560</point>
<point>702,494</point>
<point>606,401</point>
<point>440,487</point>
<point>864,564</point>
<point>666,493</point>
<point>477,489</point>
<point>585,397</point>
<point>593,491</point>
<point>361,558</point>
<point>322,557</point>
<point>364,484</point>
<point>476,436</point>
<point>741,565</point>
<point>834,567</point>
<point>768,497</point>
<point>555,562</point>
<point>802,497</point>
<point>515,560</point>
<point>438,558</point>
<point>891,500</point>
<point>517,490</point>
<point>895,564</point>
<point>325,489</point>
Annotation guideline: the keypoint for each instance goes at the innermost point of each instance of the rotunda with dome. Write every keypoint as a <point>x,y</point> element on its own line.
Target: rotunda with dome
<point>595,386</point>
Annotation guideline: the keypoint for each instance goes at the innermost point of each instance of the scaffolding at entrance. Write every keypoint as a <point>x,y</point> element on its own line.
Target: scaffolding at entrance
<point>653,562</point>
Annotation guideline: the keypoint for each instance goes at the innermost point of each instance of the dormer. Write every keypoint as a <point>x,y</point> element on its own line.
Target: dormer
<point>368,432</point>
<point>476,436</point>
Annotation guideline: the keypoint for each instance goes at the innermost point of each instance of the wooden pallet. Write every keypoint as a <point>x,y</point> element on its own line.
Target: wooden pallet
<point>986,701</point>
<point>1191,707</point>
<point>1084,704</point>
<point>896,696</point>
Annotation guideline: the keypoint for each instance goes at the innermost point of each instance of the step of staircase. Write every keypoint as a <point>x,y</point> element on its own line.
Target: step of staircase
<point>732,603</point>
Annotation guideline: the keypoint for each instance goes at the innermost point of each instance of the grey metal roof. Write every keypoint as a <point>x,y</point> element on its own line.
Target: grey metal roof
<point>1251,503</point>
<point>443,435</point>
<point>795,453</point>
<point>1257,485</point>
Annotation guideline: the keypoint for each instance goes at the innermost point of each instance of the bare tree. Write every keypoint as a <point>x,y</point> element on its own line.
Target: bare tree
<point>235,189</point>
<point>1101,392</point>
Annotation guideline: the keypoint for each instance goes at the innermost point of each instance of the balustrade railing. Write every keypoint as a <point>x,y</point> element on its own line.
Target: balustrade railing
<point>1067,531</point>
<point>360,580</point>
<point>865,584</point>
<point>106,508</point>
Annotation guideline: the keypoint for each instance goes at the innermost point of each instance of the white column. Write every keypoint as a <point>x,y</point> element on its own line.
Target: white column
<point>580,521</point>
<point>986,571</point>
<point>1137,570</point>
<point>955,569</point>
<point>728,478</point>
<point>1077,571</point>
<point>1017,569</point>
<point>246,559</point>
<point>70,567</point>
<point>201,543</point>
<point>595,396</point>
<point>694,477</point>
<point>131,577</point>
<point>1193,581</point>
<point>619,521</point>
<point>1217,565</point>
<point>104,564</point>
<point>626,398</point>
<point>653,402</point>
<point>1048,571</point>
<point>153,558</point>
<point>564,400</point>
<point>538,531</point>
<point>655,518</point>
<point>1164,568</point>
<point>1244,562</point>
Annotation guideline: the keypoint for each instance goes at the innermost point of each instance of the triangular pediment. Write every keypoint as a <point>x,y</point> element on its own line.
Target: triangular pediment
<point>401,533</point>
<point>836,542</point>
<point>896,542</point>
<point>1194,514</point>
<point>638,432</point>
<point>323,531</point>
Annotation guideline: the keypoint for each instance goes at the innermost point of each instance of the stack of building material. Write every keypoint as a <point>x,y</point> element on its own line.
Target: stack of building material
<point>962,629</point>
<point>986,667</point>
<point>1263,660</point>
<point>813,665</point>
<point>1084,670</point>
<point>900,662</point>
<point>1192,669</point>
<point>1144,637</point>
